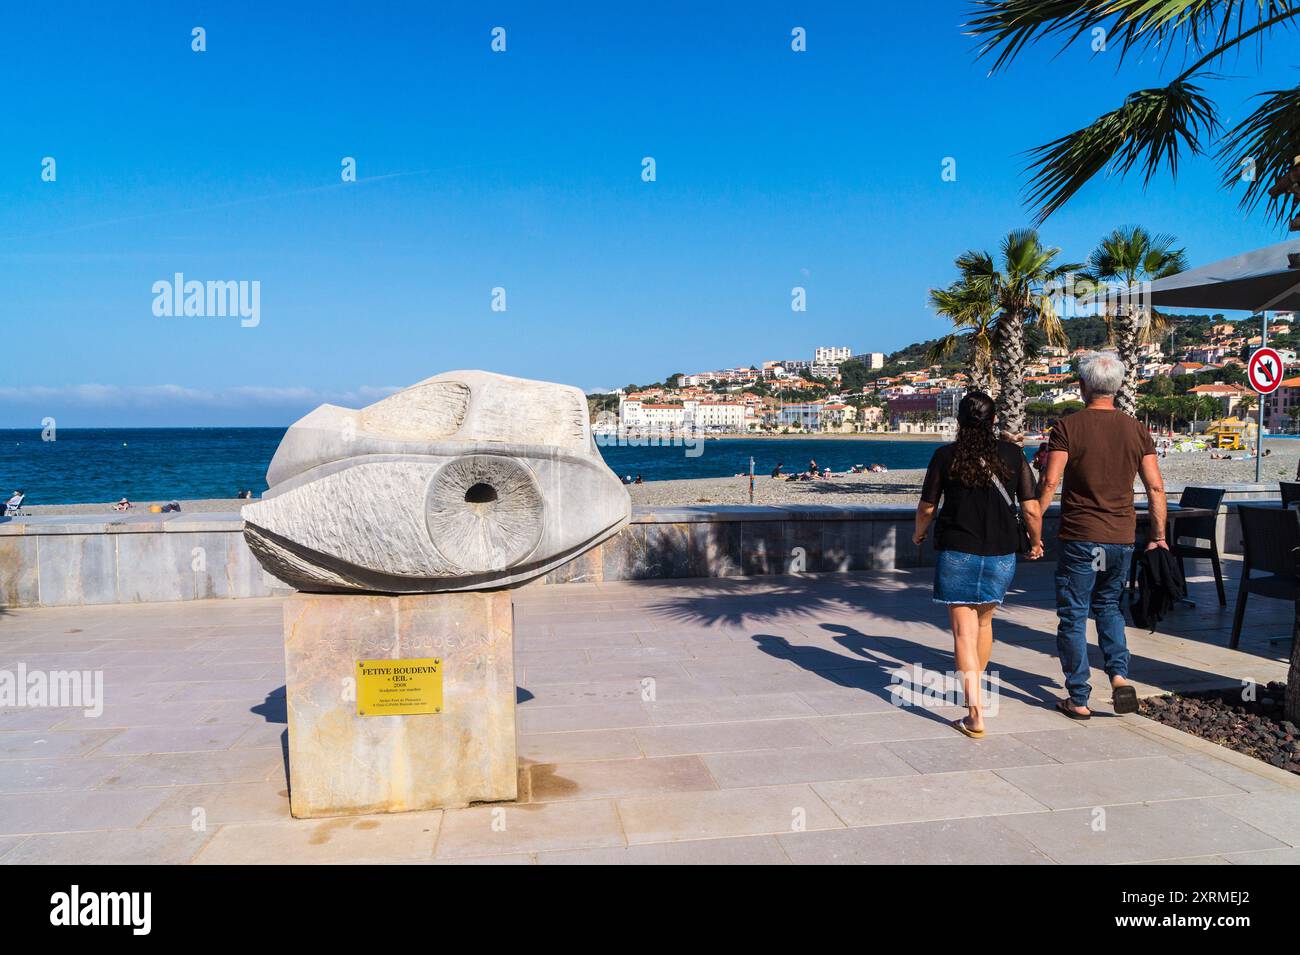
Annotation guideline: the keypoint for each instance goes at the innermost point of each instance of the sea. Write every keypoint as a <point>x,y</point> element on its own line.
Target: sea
<point>90,465</point>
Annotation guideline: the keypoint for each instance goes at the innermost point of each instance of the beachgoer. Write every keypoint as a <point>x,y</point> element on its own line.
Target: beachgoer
<point>13,503</point>
<point>122,505</point>
<point>1098,452</point>
<point>776,471</point>
<point>977,479</point>
<point>638,480</point>
<point>1040,458</point>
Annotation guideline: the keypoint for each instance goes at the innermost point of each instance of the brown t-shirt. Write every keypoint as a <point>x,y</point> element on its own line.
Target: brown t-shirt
<point>1106,450</point>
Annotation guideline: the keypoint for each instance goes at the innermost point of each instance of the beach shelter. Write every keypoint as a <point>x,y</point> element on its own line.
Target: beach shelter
<point>1261,281</point>
<point>1264,280</point>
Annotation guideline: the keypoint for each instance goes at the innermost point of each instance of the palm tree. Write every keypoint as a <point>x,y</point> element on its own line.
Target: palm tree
<point>1155,128</point>
<point>972,311</point>
<point>1130,255</point>
<point>1020,289</point>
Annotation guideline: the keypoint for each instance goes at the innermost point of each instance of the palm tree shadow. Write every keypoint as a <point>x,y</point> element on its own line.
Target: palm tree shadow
<point>796,600</point>
<point>896,669</point>
<point>741,601</point>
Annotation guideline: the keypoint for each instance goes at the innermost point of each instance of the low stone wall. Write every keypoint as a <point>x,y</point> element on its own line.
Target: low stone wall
<point>743,541</point>
<point>59,561</point>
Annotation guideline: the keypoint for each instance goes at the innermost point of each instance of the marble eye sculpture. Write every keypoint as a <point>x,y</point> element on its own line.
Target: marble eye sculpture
<point>466,481</point>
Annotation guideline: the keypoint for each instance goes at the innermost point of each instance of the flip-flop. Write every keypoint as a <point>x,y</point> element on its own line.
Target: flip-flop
<point>1063,707</point>
<point>961,727</point>
<point>1125,699</point>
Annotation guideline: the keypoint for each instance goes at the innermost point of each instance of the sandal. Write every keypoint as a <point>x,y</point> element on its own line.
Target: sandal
<point>1125,699</point>
<point>961,727</point>
<point>1063,706</point>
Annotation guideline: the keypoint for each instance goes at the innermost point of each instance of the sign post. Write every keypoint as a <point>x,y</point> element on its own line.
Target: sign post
<point>1264,370</point>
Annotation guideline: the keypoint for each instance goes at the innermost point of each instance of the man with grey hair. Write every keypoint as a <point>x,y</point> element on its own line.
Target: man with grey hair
<point>1098,452</point>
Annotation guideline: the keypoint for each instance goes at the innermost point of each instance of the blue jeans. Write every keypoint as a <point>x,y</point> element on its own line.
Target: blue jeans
<point>1090,577</point>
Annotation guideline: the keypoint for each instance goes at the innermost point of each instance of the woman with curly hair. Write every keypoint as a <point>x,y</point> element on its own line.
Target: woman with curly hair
<point>979,531</point>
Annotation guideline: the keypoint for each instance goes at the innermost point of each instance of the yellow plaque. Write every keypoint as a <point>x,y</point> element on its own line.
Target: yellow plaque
<point>399,687</point>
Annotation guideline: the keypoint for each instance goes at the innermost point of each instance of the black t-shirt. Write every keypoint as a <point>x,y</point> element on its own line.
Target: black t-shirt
<point>976,520</point>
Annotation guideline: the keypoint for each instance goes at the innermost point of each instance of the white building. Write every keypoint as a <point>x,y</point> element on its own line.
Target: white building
<point>947,402</point>
<point>831,356</point>
<point>807,416</point>
<point>644,416</point>
<point>873,359</point>
<point>715,414</point>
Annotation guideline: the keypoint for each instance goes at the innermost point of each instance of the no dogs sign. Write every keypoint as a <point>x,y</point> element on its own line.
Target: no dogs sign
<point>1265,371</point>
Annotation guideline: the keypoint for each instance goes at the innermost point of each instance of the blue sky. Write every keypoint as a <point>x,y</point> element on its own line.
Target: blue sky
<point>519,170</point>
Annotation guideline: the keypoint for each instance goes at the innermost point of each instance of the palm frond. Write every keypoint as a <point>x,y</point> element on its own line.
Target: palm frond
<point>1150,131</point>
<point>1131,254</point>
<point>1006,28</point>
<point>942,349</point>
<point>1270,137</point>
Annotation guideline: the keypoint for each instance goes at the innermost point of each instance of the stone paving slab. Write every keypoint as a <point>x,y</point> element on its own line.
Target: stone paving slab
<point>950,842</point>
<point>1140,832</point>
<point>753,721</point>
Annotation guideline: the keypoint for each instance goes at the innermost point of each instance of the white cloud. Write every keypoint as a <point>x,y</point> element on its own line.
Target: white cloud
<point>93,395</point>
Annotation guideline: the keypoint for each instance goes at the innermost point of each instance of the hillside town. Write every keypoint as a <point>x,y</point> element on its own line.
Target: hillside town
<point>1198,382</point>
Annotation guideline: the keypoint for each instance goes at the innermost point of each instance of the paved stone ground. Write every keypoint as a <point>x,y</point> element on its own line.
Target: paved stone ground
<point>768,736</point>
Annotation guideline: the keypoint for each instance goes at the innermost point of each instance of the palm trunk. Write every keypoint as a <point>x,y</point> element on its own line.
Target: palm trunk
<point>1011,373</point>
<point>1126,344</point>
<point>981,374</point>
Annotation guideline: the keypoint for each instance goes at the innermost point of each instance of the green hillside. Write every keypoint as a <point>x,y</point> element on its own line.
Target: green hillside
<point>1083,332</point>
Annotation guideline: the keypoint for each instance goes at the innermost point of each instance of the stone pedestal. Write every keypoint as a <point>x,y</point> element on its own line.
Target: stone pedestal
<point>342,762</point>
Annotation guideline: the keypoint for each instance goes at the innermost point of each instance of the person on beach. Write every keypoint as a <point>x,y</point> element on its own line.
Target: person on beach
<point>776,471</point>
<point>977,479</point>
<point>123,505</point>
<point>13,503</point>
<point>1097,452</point>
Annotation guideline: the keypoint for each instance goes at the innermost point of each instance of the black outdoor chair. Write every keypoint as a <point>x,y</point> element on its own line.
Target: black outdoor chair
<point>1194,530</point>
<point>1271,541</point>
<point>1290,493</point>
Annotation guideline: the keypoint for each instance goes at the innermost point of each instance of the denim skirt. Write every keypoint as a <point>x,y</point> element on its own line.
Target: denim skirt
<point>961,578</point>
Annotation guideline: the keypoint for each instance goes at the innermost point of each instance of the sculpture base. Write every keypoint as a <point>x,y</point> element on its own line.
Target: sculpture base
<point>342,762</point>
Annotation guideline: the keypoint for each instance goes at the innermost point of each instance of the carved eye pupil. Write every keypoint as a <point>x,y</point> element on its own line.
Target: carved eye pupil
<point>481,494</point>
<point>484,512</point>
